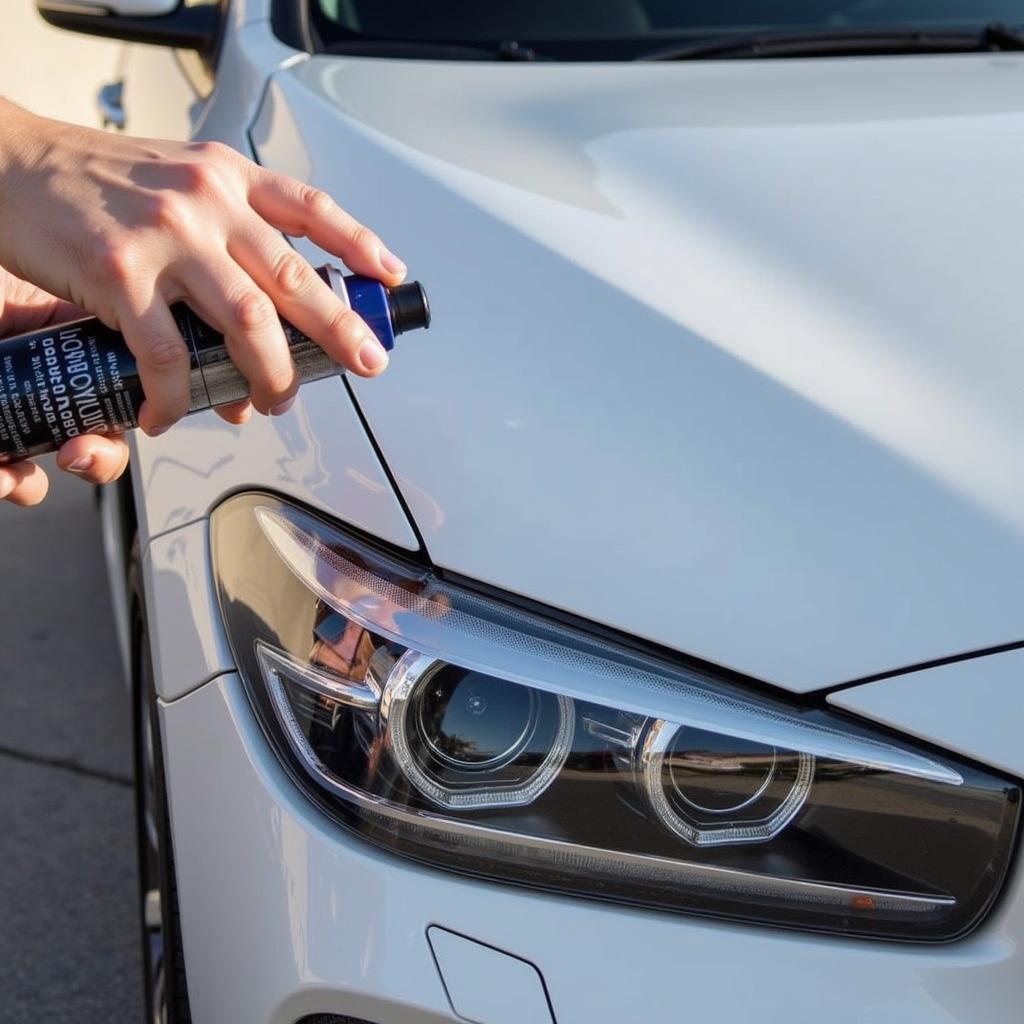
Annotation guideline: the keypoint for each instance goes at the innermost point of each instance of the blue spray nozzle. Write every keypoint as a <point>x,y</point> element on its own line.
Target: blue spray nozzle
<point>388,311</point>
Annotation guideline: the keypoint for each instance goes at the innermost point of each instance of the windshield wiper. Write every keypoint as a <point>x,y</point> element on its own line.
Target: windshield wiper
<point>428,50</point>
<point>844,43</point>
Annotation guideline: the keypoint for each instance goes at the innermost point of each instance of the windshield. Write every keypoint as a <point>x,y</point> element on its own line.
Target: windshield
<point>625,29</point>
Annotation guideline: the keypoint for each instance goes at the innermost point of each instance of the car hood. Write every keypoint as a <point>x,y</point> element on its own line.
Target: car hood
<point>727,355</point>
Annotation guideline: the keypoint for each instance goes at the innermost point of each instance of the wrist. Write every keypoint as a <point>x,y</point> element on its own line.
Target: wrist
<point>25,139</point>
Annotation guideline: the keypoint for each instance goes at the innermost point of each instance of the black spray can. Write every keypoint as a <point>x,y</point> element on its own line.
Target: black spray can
<point>80,377</point>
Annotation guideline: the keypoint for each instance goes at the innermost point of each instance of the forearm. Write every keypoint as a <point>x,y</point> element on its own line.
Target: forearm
<point>29,208</point>
<point>24,141</point>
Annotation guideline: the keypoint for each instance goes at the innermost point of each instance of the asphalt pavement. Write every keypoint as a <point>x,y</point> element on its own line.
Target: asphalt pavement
<point>68,918</point>
<point>68,925</point>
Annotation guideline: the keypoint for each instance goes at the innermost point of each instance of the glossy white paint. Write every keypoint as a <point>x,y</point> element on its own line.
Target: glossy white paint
<point>187,639</point>
<point>488,985</point>
<point>250,53</point>
<point>285,914</point>
<point>144,8</point>
<point>141,8</point>
<point>973,707</point>
<point>317,452</point>
<point>245,11</point>
<point>724,354</point>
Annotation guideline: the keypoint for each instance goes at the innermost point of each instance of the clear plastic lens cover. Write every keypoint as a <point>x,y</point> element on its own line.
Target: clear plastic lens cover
<point>457,729</point>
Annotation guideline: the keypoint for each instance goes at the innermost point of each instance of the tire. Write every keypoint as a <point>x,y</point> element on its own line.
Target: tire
<point>163,961</point>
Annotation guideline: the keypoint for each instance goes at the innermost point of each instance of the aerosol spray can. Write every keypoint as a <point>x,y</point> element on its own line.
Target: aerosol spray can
<point>80,377</point>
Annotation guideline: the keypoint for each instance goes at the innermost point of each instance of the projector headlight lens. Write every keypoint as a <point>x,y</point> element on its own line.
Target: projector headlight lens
<point>711,789</point>
<point>458,730</point>
<point>465,739</point>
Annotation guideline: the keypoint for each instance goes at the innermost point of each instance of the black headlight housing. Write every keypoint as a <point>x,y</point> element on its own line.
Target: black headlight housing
<point>469,734</point>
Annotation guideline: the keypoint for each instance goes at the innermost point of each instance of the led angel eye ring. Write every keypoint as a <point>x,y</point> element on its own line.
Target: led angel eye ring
<point>401,711</point>
<point>657,745</point>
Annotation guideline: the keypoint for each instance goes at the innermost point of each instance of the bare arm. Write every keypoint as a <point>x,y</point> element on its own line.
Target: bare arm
<point>124,227</point>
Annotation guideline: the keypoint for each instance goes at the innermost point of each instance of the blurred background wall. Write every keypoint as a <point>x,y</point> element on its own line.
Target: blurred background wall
<point>51,72</point>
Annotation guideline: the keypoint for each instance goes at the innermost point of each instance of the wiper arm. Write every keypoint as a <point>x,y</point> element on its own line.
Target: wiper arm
<point>428,50</point>
<point>844,43</point>
<point>998,36</point>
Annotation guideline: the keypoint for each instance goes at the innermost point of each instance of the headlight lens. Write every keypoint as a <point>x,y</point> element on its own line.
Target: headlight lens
<point>465,739</point>
<point>453,728</point>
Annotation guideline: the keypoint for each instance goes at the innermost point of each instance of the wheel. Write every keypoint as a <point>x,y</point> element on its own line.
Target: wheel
<point>162,957</point>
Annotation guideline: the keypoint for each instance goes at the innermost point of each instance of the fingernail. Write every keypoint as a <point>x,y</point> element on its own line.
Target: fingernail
<point>391,263</point>
<point>156,431</point>
<point>283,407</point>
<point>81,464</point>
<point>372,356</point>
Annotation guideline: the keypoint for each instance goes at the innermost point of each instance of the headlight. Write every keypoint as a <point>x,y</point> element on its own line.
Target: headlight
<point>452,727</point>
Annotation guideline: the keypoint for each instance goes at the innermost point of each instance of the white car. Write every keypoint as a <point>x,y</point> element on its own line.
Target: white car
<point>647,645</point>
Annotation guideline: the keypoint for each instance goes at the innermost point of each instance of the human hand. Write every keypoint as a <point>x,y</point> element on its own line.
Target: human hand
<point>96,458</point>
<point>125,227</point>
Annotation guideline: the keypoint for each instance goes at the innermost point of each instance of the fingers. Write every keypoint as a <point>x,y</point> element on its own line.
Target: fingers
<point>229,299</point>
<point>24,483</point>
<point>303,298</point>
<point>163,360</point>
<point>94,457</point>
<point>236,413</point>
<point>298,209</point>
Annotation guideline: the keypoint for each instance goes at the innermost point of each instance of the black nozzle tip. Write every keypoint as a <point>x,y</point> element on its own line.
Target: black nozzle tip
<point>409,307</point>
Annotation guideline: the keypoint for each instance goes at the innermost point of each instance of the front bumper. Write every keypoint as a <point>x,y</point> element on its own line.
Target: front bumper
<point>285,914</point>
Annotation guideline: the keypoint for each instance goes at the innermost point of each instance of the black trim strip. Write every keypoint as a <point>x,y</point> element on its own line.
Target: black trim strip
<point>923,666</point>
<point>386,469</point>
